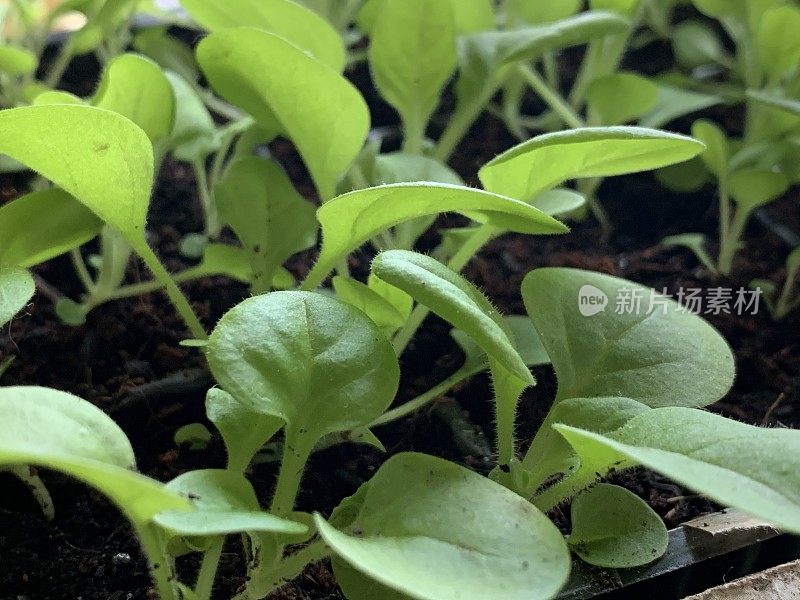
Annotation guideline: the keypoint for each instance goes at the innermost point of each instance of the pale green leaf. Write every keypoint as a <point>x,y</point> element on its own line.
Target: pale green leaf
<point>717,153</point>
<point>454,299</point>
<point>271,79</point>
<point>17,61</point>
<point>48,428</point>
<point>412,54</point>
<point>674,103</point>
<point>352,219</point>
<point>382,312</point>
<point>751,188</point>
<point>620,98</point>
<point>42,225</point>
<point>778,40</point>
<point>614,528</point>
<point>533,13</point>
<point>293,22</point>
<point>194,135</point>
<point>16,289</point>
<point>550,159</point>
<point>433,530</point>
<point>751,468</point>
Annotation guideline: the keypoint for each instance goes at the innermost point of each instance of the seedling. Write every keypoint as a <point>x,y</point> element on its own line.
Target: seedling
<point>781,303</point>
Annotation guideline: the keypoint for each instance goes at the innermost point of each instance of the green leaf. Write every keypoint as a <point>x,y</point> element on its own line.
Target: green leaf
<point>398,167</point>
<point>16,289</point>
<point>717,152</point>
<point>558,202</point>
<point>433,530</point>
<point>524,11</point>
<point>17,61</point>
<point>549,160</point>
<point>484,58</point>
<point>674,103</point>
<point>625,7</point>
<point>621,97</point>
<point>778,41</point>
<point>395,296</point>
<point>751,188</point>
<point>273,221</point>
<point>454,299</point>
<point>271,79</point>
<point>789,105</point>
<point>293,22</point>
<point>243,429</point>
<point>56,97</point>
<point>171,54</point>
<point>194,135</point>
<point>614,528</point>
<point>746,467</point>
<point>48,428</point>
<point>470,16</point>
<point>194,435</point>
<point>42,225</point>
<point>136,87</point>
<point>99,157</point>
<point>318,364</point>
<point>224,503</point>
<point>412,54</point>
<point>352,219</point>
<point>382,312</point>
<point>695,43</point>
<point>660,355</point>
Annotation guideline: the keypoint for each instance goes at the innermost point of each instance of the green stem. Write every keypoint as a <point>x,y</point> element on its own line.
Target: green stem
<point>424,399</point>
<point>208,570</point>
<point>462,119</point>
<point>291,566</point>
<point>551,97</point>
<point>172,290</point>
<point>291,472</point>
<point>727,252</point>
<point>414,137</point>
<point>81,270</point>
<point>213,226</point>
<point>724,214</point>
<point>160,565</point>
<point>60,64</point>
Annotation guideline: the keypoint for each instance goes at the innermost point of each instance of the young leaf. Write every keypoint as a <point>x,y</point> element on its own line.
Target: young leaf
<point>558,202</point>
<point>224,502</point>
<point>273,80</point>
<point>352,219</point>
<point>533,13</point>
<point>318,364</point>
<point>398,167</point>
<point>431,529</point>
<point>750,468</point>
<point>291,21</point>
<point>614,528</point>
<point>174,56</point>
<point>47,428</point>
<point>17,61</point>
<point>717,152</point>
<point>136,87</point>
<point>674,103</point>
<point>625,7</point>
<point>16,289</point>
<point>412,54</point>
<point>194,135</point>
<point>650,349</point>
<point>752,188</point>
<point>548,160</point>
<point>42,225</point>
<point>696,43</point>
<point>778,40</point>
<point>621,97</point>
<point>384,314</point>
<point>269,217</point>
<point>243,429</point>
<point>789,105</point>
<point>454,299</point>
<point>102,159</point>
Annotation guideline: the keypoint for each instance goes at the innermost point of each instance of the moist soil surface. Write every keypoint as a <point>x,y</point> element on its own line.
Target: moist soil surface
<point>127,361</point>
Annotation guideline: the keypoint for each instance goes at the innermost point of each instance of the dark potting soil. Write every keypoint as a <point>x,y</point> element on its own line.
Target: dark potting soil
<point>88,551</point>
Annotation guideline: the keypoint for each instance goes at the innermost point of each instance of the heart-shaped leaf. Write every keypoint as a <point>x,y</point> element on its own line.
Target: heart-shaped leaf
<point>290,20</point>
<point>614,528</point>
<point>433,530</point>
<point>271,80</point>
<point>550,159</point>
<point>16,289</point>
<point>611,337</point>
<point>750,468</point>
<point>318,364</point>
<point>351,219</point>
<point>455,300</point>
